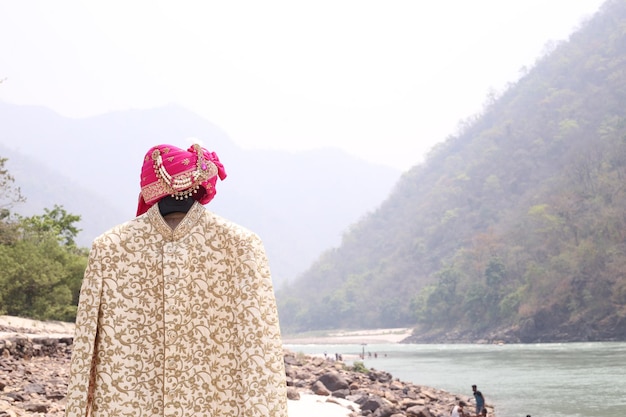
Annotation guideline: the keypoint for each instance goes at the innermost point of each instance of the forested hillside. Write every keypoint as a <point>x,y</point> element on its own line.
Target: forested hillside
<point>515,228</point>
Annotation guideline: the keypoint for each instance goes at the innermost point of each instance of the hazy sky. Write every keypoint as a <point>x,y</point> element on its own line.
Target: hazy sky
<point>384,80</point>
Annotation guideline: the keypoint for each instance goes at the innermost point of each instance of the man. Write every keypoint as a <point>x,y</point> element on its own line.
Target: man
<point>457,411</point>
<point>480,400</point>
<point>177,315</point>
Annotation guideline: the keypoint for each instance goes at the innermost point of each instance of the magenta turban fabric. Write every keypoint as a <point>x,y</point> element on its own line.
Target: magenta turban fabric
<point>168,170</point>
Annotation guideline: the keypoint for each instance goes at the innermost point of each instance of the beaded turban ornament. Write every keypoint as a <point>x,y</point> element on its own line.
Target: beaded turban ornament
<point>168,170</point>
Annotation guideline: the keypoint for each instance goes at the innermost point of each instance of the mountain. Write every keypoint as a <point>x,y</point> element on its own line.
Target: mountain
<point>514,229</point>
<point>45,187</point>
<point>299,203</point>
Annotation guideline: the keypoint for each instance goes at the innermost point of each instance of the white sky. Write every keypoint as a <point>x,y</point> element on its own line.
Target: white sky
<point>384,80</point>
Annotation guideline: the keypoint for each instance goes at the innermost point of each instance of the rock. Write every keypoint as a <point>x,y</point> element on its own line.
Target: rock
<point>293,394</point>
<point>396,385</point>
<point>14,396</point>
<point>372,404</point>
<point>386,411</point>
<point>418,411</point>
<point>380,376</point>
<point>409,402</point>
<point>334,401</point>
<point>36,407</point>
<point>34,380</point>
<point>333,381</point>
<point>429,394</point>
<point>341,393</point>
<point>319,389</point>
<point>35,389</point>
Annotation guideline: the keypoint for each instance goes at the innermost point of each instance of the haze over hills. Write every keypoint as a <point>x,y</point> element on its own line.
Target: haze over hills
<point>299,203</point>
<point>514,229</point>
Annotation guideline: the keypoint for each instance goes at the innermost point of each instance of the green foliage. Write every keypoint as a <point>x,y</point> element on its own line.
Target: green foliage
<point>9,193</point>
<point>359,366</point>
<point>9,196</point>
<point>41,269</point>
<point>522,214</point>
<point>56,222</point>
<point>421,307</point>
<point>40,279</point>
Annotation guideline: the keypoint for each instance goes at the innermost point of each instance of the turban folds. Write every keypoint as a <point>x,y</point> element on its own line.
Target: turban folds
<point>168,170</point>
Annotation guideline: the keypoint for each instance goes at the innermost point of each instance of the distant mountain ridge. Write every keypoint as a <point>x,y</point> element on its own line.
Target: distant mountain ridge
<point>299,203</point>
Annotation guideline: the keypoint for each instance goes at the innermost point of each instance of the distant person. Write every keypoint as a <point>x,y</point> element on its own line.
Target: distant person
<point>457,410</point>
<point>177,315</point>
<point>480,400</point>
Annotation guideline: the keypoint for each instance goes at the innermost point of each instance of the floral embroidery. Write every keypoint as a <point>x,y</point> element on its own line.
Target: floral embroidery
<point>177,322</point>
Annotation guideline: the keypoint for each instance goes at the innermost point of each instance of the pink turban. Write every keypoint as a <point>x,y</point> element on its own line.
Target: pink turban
<point>168,170</point>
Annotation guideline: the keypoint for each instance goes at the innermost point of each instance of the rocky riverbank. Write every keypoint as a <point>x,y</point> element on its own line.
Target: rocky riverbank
<point>34,370</point>
<point>370,392</point>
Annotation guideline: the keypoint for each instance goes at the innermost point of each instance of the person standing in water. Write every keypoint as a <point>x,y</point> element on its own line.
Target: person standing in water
<point>480,400</point>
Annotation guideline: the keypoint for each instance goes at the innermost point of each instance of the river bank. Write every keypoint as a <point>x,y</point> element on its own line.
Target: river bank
<point>371,336</point>
<point>34,370</point>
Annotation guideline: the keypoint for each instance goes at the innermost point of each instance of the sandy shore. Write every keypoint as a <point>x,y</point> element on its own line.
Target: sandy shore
<point>394,335</point>
<point>52,328</point>
<point>351,337</point>
<point>310,405</point>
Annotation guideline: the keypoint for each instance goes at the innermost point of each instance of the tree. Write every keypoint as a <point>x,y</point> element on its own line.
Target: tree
<point>494,278</point>
<point>40,279</point>
<point>57,222</point>
<point>9,193</point>
<point>9,196</point>
<point>41,269</point>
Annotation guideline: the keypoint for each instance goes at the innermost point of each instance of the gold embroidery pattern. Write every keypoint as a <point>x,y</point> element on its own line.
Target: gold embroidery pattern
<point>186,323</point>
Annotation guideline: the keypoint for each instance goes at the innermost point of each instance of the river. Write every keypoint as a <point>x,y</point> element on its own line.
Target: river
<point>543,380</point>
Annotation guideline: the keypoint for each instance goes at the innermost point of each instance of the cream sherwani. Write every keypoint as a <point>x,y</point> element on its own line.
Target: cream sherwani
<point>178,323</point>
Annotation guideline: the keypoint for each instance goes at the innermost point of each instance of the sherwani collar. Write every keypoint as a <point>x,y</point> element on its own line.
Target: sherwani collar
<point>183,228</point>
